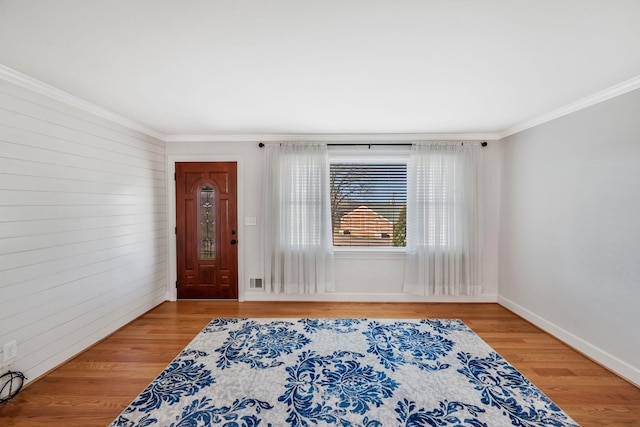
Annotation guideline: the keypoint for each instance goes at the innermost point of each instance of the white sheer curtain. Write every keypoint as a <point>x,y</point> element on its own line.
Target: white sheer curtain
<point>444,219</point>
<point>297,239</point>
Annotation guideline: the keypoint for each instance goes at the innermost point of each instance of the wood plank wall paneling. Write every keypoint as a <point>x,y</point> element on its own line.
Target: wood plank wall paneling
<point>82,227</point>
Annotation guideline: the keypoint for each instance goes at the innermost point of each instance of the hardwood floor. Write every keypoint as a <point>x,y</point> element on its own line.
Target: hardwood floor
<point>94,387</point>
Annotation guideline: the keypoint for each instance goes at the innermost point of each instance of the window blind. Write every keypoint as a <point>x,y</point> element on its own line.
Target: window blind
<point>368,204</point>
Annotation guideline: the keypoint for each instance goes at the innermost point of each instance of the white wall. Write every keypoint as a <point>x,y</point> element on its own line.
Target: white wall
<point>82,227</point>
<point>570,230</point>
<point>359,276</point>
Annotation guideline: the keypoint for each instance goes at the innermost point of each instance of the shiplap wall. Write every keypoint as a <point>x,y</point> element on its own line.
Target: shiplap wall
<point>82,227</point>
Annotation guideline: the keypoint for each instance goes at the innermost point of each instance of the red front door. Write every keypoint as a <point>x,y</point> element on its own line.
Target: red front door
<point>206,233</point>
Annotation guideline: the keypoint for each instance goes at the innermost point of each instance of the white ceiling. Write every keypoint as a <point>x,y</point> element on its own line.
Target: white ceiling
<point>193,67</point>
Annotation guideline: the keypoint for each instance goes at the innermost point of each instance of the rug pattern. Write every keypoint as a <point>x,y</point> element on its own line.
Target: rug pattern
<point>340,372</point>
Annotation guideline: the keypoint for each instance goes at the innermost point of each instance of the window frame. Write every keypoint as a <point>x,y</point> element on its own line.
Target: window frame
<point>369,155</point>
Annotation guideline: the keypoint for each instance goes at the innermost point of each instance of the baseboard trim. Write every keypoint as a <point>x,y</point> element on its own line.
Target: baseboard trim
<point>612,363</point>
<point>89,342</point>
<point>367,297</point>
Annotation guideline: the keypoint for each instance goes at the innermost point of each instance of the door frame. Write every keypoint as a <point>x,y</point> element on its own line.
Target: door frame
<point>172,267</point>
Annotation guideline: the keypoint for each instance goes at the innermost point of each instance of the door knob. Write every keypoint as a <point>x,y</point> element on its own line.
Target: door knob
<point>234,241</point>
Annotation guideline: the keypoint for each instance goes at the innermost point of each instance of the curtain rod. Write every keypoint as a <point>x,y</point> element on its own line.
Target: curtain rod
<point>348,144</point>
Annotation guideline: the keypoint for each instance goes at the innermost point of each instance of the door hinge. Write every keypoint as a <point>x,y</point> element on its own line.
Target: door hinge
<point>176,284</point>
<point>175,177</point>
<point>175,230</point>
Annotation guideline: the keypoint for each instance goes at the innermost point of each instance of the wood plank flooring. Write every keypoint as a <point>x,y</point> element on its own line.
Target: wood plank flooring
<point>94,387</point>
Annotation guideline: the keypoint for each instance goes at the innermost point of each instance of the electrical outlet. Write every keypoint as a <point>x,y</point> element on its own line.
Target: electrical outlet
<point>10,350</point>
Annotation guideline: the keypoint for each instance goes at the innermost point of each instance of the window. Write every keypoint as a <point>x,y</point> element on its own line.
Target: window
<point>304,202</point>
<point>207,222</point>
<point>435,196</point>
<point>368,202</point>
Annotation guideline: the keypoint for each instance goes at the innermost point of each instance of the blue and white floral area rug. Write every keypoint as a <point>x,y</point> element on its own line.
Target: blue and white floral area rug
<point>340,372</point>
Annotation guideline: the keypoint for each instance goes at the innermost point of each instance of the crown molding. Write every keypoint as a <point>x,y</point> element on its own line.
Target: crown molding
<point>42,88</point>
<point>596,98</point>
<point>334,137</point>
